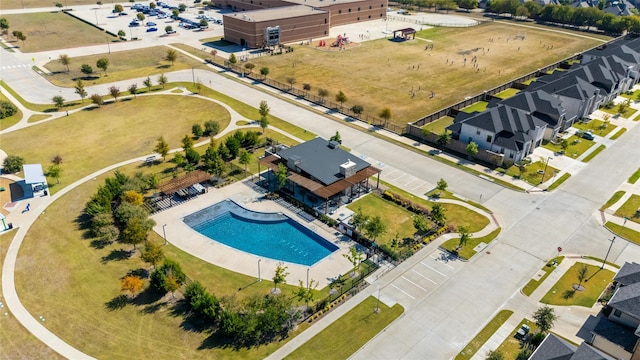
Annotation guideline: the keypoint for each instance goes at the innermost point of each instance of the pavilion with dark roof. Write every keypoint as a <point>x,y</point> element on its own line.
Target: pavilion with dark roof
<point>322,169</point>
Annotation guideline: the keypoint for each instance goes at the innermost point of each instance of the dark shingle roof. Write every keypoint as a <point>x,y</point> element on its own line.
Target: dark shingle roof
<point>587,352</point>
<point>320,161</point>
<point>553,348</point>
<point>628,274</point>
<point>615,333</point>
<point>540,103</point>
<point>627,300</point>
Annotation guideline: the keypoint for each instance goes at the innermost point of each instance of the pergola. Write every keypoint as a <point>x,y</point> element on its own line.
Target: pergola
<point>405,33</point>
<point>174,185</point>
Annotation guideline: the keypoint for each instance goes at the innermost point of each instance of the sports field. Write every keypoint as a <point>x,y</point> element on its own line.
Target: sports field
<point>404,76</point>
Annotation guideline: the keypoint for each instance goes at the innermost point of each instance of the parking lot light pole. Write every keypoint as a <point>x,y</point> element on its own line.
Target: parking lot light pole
<point>259,278</point>
<point>108,46</point>
<point>164,233</point>
<point>193,76</point>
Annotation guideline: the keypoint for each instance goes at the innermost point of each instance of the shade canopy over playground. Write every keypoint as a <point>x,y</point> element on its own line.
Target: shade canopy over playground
<point>406,33</point>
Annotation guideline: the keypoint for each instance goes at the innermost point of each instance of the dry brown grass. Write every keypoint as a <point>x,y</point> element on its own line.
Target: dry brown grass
<point>52,30</point>
<point>382,73</point>
<point>19,4</point>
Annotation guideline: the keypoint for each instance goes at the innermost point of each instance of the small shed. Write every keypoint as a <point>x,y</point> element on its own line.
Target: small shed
<point>34,176</point>
<point>405,34</point>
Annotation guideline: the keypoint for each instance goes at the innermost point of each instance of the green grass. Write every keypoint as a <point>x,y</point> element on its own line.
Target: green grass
<point>487,331</point>
<point>467,251</point>
<point>510,347</point>
<point>438,126</point>
<point>533,284</point>
<point>634,178</point>
<point>634,96</point>
<point>616,110</point>
<point>624,232</point>
<point>528,82</point>
<point>61,276</point>
<point>350,332</point>
<point>123,65</point>
<point>597,127</point>
<point>559,182</point>
<point>614,199</point>
<point>11,120</point>
<point>562,292</point>
<point>636,118</point>
<point>630,209</point>
<point>594,153</point>
<point>531,174</point>
<point>53,30</point>
<point>577,146</point>
<point>112,133</point>
<point>601,260</point>
<point>507,93</point>
<point>477,107</point>
<point>618,134</point>
<point>28,105</point>
<point>456,215</point>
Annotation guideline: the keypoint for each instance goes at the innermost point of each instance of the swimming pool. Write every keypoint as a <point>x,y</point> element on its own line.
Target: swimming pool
<point>272,235</point>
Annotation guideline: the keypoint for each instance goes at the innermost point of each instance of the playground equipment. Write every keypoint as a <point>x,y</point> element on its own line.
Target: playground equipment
<point>340,41</point>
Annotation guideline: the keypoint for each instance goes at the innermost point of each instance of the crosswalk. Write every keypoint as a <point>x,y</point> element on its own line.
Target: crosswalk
<point>9,67</point>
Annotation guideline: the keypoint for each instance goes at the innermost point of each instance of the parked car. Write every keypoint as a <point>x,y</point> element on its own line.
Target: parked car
<point>588,135</point>
<point>522,333</point>
<point>171,32</point>
<point>151,29</point>
<point>151,23</point>
<point>123,14</point>
<point>134,23</point>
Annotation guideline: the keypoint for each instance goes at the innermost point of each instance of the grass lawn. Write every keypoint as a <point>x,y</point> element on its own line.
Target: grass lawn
<point>477,107</point>
<point>597,127</point>
<point>636,118</point>
<point>594,153</point>
<point>633,178</point>
<point>456,215</point>
<point>123,65</point>
<point>528,82</point>
<point>439,125</point>
<point>112,133</point>
<point>533,284</point>
<point>616,110</point>
<point>510,347</point>
<point>52,30</point>
<point>396,218</point>
<point>349,333</point>
<point>38,117</point>
<point>19,4</point>
<point>601,260</point>
<point>630,209</point>
<point>61,276</point>
<point>476,343</point>
<point>15,341</point>
<point>534,172</point>
<point>625,233</point>
<point>11,120</point>
<point>562,292</point>
<point>507,93</point>
<point>577,146</point>
<point>382,73</point>
<point>467,250</point>
<point>614,199</point>
<point>635,96</point>
<point>559,182</point>
<point>618,134</point>
<point>69,105</point>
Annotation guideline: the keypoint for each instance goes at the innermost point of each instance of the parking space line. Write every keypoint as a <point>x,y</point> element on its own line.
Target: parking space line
<point>416,285</point>
<point>432,269</point>
<point>421,184</point>
<point>423,276</point>
<point>402,291</point>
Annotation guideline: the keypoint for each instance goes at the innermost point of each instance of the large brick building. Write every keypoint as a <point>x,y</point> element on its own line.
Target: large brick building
<point>296,20</point>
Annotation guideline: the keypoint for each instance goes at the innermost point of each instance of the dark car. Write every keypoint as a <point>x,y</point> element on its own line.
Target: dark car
<point>588,135</point>
<point>152,29</point>
<point>151,23</point>
<point>522,332</point>
<point>134,23</point>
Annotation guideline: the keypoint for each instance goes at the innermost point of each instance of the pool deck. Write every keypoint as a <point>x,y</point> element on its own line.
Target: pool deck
<point>187,239</point>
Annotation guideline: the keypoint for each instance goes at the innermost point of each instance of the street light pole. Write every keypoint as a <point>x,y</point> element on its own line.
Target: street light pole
<point>308,278</point>
<point>96,13</point>
<point>108,46</point>
<point>545,170</point>
<point>378,302</point>
<point>193,75</point>
<point>259,279</point>
<point>164,233</point>
<point>606,256</point>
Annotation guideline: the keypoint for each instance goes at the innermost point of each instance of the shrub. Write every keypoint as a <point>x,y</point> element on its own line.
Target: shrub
<point>12,164</point>
<point>7,109</point>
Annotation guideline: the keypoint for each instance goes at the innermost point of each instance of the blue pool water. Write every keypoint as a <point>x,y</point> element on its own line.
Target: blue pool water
<point>272,235</point>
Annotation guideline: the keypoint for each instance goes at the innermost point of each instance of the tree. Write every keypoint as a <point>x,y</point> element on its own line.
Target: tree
<point>131,284</point>
<point>468,4</point>
<point>264,71</point>
<point>162,80</point>
<point>357,109</point>
<point>20,36</point>
<point>233,59</point>
<point>341,97</point>
<point>147,82</point>
<point>187,142</point>
<point>306,87</point>
<point>168,29</point>
<point>182,7</point>
<point>196,130</point>
<point>65,60</point>
<point>58,101</point>
<point>80,89</point>
<point>202,303</point>
<point>442,185</point>
<point>97,99</point>
<point>421,224</point>
<point>175,13</point>
<point>280,276</point>
<point>7,109</point>
<point>118,9</point>
<point>464,235</point>
<point>152,253</point>
<point>132,197</point>
<point>385,114</point>
<point>211,127</point>
<point>214,52</point>
<point>133,89</point>
<point>583,273</point>
<point>171,56</point>
<point>281,175</point>
<point>192,156</point>
<point>354,258</point>
<point>495,355</point>
<point>55,171</point>
<point>336,137</point>
<point>86,69</point>
<point>264,109</point>
<point>250,67</point>
<point>623,107</point>
<point>359,219</point>
<point>152,5</point>
<point>103,64</point>
<point>121,34</point>
<point>135,232</point>
<point>4,26</point>
<point>472,149</point>
<point>291,80</point>
<point>375,227</point>
<point>438,214</point>
<point>162,147</point>
<point>444,138</point>
<point>244,159</point>
<point>140,16</point>
<point>306,293</point>
<point>544,318</point>
<point>522,12</point>
<point>264,122</point>
<point>12,164</point>
<point>203,23</point>
<point>57,160</point>
<point>165,278</point>
<point>115,92</point>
